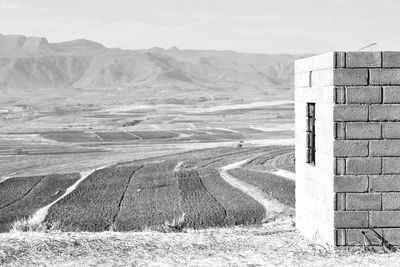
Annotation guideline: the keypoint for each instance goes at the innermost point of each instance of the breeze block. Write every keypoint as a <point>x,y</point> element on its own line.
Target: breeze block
<point>354,184</point>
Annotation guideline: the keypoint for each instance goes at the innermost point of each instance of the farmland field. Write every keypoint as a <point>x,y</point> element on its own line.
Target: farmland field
<point>200,206</point>
<point>277,187</point>
<point>152,197</point>
<point>240,208</point>
<point>155,134</point>
<point>71,136</point>
<point>148,193</point>
<point>115,136</point>
<point>142,193</point>
<point>163,161</point>
<point>92,132</point>
<point>95,203</point>
<point>43,190</point>
<point>14,189</point>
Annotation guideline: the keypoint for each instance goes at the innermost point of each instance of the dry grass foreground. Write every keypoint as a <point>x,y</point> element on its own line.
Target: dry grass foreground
<point>270,244</point>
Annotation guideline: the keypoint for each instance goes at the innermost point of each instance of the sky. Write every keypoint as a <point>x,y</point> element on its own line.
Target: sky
<point>254,26</point>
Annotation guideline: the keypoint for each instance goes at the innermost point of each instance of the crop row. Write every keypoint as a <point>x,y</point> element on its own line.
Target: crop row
<point>13,189</point>
<point>106,136</point>
<point>268,156</point>
<point>231,156</point>
<point>93,205</point>
<point>152,198</point>
<point>127,197</point>
<point>240,208</point>
<point>201,208</point>
<point>285,161</point>
<point>213,137</point>
<point>115,136</point>
<point>156,195</point>
<point>155,134</point>
<point>277,187</point>
<point>71,136</point>
<point>48,189</point>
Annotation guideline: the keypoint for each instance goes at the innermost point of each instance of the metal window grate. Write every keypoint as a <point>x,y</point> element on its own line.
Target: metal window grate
<point>310,133</point>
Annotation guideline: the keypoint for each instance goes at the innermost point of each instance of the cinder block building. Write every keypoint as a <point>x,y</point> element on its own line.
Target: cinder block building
<point>347,107</point>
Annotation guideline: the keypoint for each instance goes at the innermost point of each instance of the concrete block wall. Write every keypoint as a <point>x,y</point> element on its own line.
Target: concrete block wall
<point>359,135</point>
<point>367,146</point>
<point>314,183</point>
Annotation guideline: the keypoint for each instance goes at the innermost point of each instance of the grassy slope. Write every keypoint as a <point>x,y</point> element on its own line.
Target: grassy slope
<point>71,137</point>
<point>156,195</point>
<point>277,187</point>
<point>14,189</point>
<point>238,154</point>
<point>270,244</point>
<point>286,162</point>
<point>93,205</point>
<point>268,160</point>
<point>115,136</point>
<point>273,244</point>
<point>114,198</point>
<point>201,208</point>
<point>240,208</point>
<point>46,191</point>
<point>155,134</point>
<point>152,198</point>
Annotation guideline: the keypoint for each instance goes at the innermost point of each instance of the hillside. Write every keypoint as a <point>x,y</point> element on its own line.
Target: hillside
<point>33,62</point>
<point>272,244</point>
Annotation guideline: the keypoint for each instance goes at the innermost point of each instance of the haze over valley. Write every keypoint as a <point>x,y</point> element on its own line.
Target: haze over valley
<point>79,99</point>
<point>31,63</point>
<point>141,133</point>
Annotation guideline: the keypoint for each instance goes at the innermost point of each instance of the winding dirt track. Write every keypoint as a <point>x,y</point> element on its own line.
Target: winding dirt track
<point>284,173</point>
<point>3,179</point>
<point>273,208</point>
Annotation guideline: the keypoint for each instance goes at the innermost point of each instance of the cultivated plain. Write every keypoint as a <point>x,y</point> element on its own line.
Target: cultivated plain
<point>97,139</point>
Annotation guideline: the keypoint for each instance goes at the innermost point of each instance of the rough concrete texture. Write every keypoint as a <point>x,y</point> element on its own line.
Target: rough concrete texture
<point>355,182</point>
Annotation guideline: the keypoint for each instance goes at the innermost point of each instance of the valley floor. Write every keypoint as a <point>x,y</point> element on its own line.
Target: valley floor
<point>271,244</point>
<point>174,155</point>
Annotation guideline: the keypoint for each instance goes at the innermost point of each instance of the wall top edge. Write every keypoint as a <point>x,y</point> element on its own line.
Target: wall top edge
<point>322,61</point>
<point>351,59</point>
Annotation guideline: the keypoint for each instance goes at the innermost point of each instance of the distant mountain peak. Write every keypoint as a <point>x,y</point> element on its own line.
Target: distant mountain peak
<point>22,45</point>
<point>33,62</point>
<point>82,43</point>
<point>36,43</point>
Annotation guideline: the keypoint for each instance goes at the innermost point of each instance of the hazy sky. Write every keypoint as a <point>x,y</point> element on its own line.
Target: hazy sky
<point>289,26</point>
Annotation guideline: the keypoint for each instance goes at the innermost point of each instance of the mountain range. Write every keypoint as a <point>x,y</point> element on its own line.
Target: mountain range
<point>33,62</point>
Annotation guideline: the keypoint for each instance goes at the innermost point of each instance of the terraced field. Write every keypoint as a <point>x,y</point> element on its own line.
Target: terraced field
<point>200,206</point>
<point>116,136</point>
<point>155,134</point>
<point>280,159</point>
<point>94,204</point>
<point>259,172</point>
<point>240,208</point>
<point>147,193</point>
<point>72,136</point>
<point>12,190</point>
<point>277,187</point>
<point>151,198</point>
<point>22,197</point>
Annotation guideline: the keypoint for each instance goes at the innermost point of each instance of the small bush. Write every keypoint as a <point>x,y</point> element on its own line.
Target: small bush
<point>131,123</point>
<point>240,145</point>
<point>177,224</point>
<point>25,225</point>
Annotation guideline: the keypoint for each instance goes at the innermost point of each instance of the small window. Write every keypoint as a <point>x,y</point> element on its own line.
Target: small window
<point>311,133</point>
